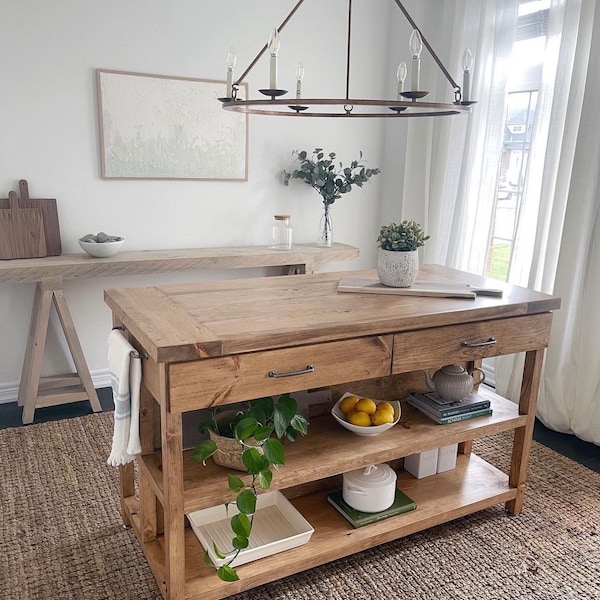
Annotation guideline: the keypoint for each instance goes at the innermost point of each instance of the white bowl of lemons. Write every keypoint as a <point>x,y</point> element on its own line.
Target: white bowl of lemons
<point>366,416</point>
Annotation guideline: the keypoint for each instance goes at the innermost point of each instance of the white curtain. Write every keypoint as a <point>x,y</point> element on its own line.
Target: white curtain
<point>452,163</point>
<point>450,175</point>
<point>561,203</point>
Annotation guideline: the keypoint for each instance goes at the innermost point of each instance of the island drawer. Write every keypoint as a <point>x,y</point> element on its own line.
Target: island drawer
<point>227,379</point>
<point>469,341</point>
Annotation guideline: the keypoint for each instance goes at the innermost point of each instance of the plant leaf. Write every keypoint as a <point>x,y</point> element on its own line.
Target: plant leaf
<point>218,553</point>
<point>203,450</point>
<point>226,573</point>
<point>254,461</point>
<point>240,525</point>
<point>245,428</point>
<point>240,542</point>
<point>264,479</point>
<point>246,503</point>
<point>285,409</point>
<point>300,424</point>
<point>273,451</point>
<point>235,483</point>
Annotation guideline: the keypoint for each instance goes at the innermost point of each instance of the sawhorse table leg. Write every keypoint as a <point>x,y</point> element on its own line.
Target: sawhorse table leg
<point>35,392</point>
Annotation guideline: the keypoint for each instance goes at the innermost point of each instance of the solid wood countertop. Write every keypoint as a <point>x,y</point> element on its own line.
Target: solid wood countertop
<point>193,321</point>
<point>80,265</point>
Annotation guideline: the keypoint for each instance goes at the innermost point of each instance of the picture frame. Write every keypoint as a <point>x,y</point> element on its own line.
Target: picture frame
<point>166,127</point>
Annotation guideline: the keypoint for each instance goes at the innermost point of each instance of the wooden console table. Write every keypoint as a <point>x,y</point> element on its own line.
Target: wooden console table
<point>216,343</point>
<point>49,273</point>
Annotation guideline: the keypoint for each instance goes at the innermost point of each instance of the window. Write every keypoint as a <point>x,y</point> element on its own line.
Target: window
<point>523,84</point>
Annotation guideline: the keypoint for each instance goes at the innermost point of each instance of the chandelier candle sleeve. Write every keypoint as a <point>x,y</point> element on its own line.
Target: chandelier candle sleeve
<point>299,78</point>
<point>415,45</point>
<point>401,77</point>
<point>273,51</point>
<point>231,59</point>
<point>467,68</point>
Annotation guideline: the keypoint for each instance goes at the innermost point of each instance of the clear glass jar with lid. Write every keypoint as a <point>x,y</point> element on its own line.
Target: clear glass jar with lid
<point>281,233</point>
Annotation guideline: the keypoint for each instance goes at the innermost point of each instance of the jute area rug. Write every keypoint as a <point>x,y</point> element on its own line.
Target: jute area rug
<point>60,533</point>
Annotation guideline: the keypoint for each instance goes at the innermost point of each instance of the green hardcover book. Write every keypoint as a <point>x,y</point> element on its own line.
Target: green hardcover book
<point>402,503</point>
<point>454,419</point>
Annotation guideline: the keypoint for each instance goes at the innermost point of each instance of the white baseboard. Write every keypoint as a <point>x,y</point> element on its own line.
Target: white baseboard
<point>9,391</point>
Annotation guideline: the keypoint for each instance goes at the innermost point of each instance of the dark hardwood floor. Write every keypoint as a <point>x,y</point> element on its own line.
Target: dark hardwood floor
<point>585,453</point>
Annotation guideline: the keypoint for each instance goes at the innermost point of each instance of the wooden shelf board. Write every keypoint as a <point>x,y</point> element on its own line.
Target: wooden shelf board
<point>329,450</point>
<point>473,485</point>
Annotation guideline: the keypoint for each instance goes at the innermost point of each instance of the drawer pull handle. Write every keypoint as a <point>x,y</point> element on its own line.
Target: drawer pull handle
<point>489,342</point>
<point>309,369</point>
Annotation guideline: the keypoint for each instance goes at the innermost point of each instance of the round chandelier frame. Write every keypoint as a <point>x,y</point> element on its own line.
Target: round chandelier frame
<point>411,105</point>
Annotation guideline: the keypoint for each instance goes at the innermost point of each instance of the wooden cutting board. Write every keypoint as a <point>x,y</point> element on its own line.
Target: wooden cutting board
<point>21,231</point>
<point>49,216</point>
<point>419,288</point>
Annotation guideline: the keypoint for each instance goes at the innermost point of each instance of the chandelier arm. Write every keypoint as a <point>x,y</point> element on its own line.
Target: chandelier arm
<point>348,49</point>
<point>264,48</point>
<point>429,48</point>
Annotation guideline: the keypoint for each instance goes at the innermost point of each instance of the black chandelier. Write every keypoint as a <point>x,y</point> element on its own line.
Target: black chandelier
<point>409,103</point>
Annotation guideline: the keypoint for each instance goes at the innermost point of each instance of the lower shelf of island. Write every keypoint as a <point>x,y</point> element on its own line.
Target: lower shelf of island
<point>472,486</point>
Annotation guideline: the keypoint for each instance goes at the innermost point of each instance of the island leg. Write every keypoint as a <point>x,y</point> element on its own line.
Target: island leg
<point>530,388</point>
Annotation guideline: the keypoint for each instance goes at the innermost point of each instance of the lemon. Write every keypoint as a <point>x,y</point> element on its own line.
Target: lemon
<point>381,417</point>
<point>362,419</point>
<point>366,405</point>
<point>347,404</point>
<point>385,406</point>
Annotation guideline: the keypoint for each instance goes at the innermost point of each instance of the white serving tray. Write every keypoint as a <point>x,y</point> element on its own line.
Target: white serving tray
<point>277,526</point>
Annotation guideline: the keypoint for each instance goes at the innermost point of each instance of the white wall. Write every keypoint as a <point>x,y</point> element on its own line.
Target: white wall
<point>49,135</point>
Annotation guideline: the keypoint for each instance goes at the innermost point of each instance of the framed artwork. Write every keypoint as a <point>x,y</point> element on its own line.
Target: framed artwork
<point>158,127</point>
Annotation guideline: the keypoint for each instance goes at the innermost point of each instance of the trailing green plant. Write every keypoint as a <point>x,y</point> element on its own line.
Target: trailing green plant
<point>269,423</point>
<point>402,237</point>
<point>322,174</point>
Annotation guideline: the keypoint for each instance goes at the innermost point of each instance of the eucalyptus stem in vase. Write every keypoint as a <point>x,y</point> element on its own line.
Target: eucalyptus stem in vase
<point>330,181</point>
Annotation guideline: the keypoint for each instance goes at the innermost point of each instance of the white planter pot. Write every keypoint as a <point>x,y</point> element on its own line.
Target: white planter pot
<point>397,269</point>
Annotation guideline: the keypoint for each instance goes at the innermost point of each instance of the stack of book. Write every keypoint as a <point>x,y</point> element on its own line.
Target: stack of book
<point>402,504</point>
<point>448,411</point>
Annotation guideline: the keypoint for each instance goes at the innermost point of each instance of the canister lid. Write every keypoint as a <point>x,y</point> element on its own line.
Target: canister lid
<point>373,476</point>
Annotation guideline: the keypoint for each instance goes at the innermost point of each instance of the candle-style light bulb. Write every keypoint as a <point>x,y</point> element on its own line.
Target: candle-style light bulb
<point>401,77</point>
<point>299,78</point>
<point>230,61</point>
<point>467,68</point>
<point>273,51</point>
<point>415,46</point>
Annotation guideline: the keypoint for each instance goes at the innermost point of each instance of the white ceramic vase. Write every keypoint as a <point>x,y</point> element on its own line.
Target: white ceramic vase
<point>397,269</point>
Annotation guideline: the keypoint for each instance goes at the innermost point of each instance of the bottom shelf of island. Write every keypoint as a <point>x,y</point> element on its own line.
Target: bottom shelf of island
<point>472,486</point>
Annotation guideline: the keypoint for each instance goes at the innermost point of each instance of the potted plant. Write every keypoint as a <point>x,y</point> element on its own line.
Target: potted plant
<point>398,259</point>
<point>330,181</point>
<point>258,428</point>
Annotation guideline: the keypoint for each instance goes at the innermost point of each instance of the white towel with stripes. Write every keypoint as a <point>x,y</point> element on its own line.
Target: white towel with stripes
<point>125,376</point>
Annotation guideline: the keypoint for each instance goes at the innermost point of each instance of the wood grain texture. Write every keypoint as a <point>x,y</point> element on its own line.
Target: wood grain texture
<point>229,379</point>
<point>190,321</point>
<point>49,211</point>
<point>214,342</point>
<point>472,486</point>
<point>328,448</point>
<point>77,266</point>
<point>21,231</point>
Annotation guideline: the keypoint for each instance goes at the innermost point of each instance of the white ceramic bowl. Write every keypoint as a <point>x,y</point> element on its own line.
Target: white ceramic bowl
<point>102,249</point>
<point>340,417</point>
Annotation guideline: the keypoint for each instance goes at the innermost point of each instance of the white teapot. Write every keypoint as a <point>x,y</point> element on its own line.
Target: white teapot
<point>452,382</point>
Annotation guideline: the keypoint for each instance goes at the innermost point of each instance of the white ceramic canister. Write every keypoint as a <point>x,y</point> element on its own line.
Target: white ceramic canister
<point>371,489</point>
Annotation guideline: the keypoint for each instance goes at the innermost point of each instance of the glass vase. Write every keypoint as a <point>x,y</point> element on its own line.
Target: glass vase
<point>325,229</point>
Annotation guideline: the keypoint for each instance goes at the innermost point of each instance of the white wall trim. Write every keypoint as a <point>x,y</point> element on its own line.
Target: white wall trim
<point>10,391</point>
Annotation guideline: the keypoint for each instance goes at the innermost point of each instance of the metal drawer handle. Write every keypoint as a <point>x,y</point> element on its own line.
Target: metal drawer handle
<point>489,342</point>
<point>309,369</point>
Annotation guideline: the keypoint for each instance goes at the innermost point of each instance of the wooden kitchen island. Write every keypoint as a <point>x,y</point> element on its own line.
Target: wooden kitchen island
<point>215,343</point>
